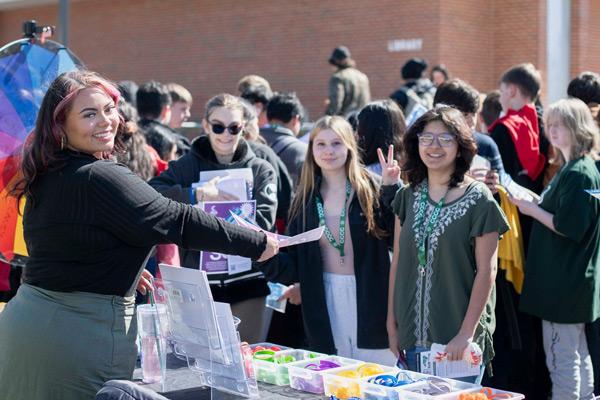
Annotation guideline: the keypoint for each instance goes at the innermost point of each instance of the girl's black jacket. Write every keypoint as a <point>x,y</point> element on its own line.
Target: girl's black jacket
<point>303,263</point>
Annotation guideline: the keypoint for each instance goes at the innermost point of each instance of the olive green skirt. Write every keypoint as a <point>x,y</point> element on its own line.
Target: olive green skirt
<point>64,346</point>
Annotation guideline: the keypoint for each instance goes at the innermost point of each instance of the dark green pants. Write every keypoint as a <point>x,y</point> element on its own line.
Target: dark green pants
<point>64,346</point>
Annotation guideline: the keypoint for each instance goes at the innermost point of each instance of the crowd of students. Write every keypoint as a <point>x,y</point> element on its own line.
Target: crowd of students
<point>413,234</point>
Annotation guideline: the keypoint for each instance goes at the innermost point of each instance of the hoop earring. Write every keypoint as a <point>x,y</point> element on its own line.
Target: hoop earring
<point>62,142</point>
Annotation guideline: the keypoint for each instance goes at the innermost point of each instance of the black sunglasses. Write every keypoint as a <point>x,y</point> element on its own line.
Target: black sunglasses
<point>234,129</point>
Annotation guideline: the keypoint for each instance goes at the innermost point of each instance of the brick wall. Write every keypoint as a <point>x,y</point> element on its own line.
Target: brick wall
<point>464,42</point>
<point>519,35</point>
<point>207,45</point>
<point>585,34</point>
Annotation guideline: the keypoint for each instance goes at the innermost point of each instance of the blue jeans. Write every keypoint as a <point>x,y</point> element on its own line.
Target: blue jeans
<point>412,364</point>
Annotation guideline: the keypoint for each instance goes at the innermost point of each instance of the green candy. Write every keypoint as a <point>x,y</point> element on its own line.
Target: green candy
<point>284,359</point>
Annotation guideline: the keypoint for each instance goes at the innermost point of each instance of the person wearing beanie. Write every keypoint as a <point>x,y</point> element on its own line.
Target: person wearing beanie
<point>413,69</point>
<point>348,87</point>
<point>415,96</point>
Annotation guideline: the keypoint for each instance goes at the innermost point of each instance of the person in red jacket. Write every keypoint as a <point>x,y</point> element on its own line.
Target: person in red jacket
<point>521,142</point>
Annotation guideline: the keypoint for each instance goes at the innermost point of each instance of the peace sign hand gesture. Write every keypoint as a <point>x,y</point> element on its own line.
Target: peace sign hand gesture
<point>390,171</point>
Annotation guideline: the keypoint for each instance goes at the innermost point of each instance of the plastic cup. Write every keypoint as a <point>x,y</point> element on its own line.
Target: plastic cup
<point>152,330</point>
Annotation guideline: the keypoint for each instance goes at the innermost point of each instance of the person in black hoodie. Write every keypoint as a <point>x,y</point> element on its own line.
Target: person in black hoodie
<point>343,277</point>
<point>224,148</point>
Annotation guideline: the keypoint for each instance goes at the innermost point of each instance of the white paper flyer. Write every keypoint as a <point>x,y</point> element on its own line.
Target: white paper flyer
<point>284,241</point>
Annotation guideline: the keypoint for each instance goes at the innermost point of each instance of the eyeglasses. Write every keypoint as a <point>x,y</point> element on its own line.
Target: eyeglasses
<point>443,139</point>
<point>234,129</point>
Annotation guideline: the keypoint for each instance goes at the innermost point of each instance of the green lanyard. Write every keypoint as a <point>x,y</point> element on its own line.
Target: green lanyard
<point>339,246</point>
<point>419,218</point>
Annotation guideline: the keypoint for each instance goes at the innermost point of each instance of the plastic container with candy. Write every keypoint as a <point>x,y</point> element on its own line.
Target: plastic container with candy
<point>435,388</point>
<point>271,366</point>
<point>307,375</point>
<point>385,386</point>
<point>345,382</point>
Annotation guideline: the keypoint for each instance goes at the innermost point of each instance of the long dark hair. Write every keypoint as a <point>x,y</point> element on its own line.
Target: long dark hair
<point>43,149</point>
<point>456,124</point>
<point>136,155</point>
<point>380,124</point>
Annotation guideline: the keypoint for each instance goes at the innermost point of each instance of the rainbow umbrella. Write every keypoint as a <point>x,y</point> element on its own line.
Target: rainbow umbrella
<point>27,67</point>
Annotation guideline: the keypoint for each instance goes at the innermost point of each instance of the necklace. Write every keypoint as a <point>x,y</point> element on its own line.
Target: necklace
<point>427,228</point>
<point>320,211</point>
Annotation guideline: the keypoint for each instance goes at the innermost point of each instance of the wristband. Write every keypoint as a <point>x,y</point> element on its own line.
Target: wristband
<point>435,386</point>
<point>264,355</point>
<point>307,386</point>
<point>273,348</point>
<point>323,365</point>
<point>349,374</point>
<point>400,379</point>
<point>284,359</point>
<point>369,369</point>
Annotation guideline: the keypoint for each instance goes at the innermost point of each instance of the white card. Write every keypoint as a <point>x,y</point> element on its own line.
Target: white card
<point>233,186</point>
<point>514,189</point>
<point>470,365</point>
<point>284,241</point>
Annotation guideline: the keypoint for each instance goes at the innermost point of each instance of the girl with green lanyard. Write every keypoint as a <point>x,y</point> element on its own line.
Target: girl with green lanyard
<point>343,276</point>
<point>446,236</point>
<point>562,274</point>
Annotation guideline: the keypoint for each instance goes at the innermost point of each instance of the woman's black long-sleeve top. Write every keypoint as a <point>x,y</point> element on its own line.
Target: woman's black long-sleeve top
<point>303,264</point>
<point>91,224</point>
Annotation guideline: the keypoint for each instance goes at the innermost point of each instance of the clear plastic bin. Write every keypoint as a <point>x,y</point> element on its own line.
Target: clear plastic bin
<point>344,387</point>
<point>276,372</point>
<point>418,390</point>
<point>307,380</point>
<point>374,391</point>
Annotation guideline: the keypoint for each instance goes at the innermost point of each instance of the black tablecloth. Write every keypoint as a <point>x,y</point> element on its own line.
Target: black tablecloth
<point>183,384</point>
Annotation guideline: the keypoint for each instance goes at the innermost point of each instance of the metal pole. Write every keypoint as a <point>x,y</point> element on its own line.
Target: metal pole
<point>558,32</point>
<point>63,22</point>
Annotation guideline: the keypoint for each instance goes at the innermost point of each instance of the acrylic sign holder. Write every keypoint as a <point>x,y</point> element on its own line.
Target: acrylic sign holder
<point>205,333</point>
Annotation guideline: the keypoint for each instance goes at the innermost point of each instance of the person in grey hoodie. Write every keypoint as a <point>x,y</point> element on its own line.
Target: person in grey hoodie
<point>284,113</point>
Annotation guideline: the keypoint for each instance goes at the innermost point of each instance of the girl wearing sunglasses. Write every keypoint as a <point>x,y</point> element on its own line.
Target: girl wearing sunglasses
<point>224,148</point>
<point>343,276</point>
<point>445,244</point>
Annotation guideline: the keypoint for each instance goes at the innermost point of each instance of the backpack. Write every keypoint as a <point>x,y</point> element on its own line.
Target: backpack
<point>425,91</point>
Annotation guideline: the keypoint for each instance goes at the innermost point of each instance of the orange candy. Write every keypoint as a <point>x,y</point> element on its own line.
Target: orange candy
<point>484,394</point>
<point>472,396</point>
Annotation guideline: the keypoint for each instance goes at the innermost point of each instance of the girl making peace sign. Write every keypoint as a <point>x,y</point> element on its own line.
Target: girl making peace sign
<point>445,244</point>
<point>343,276</point>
